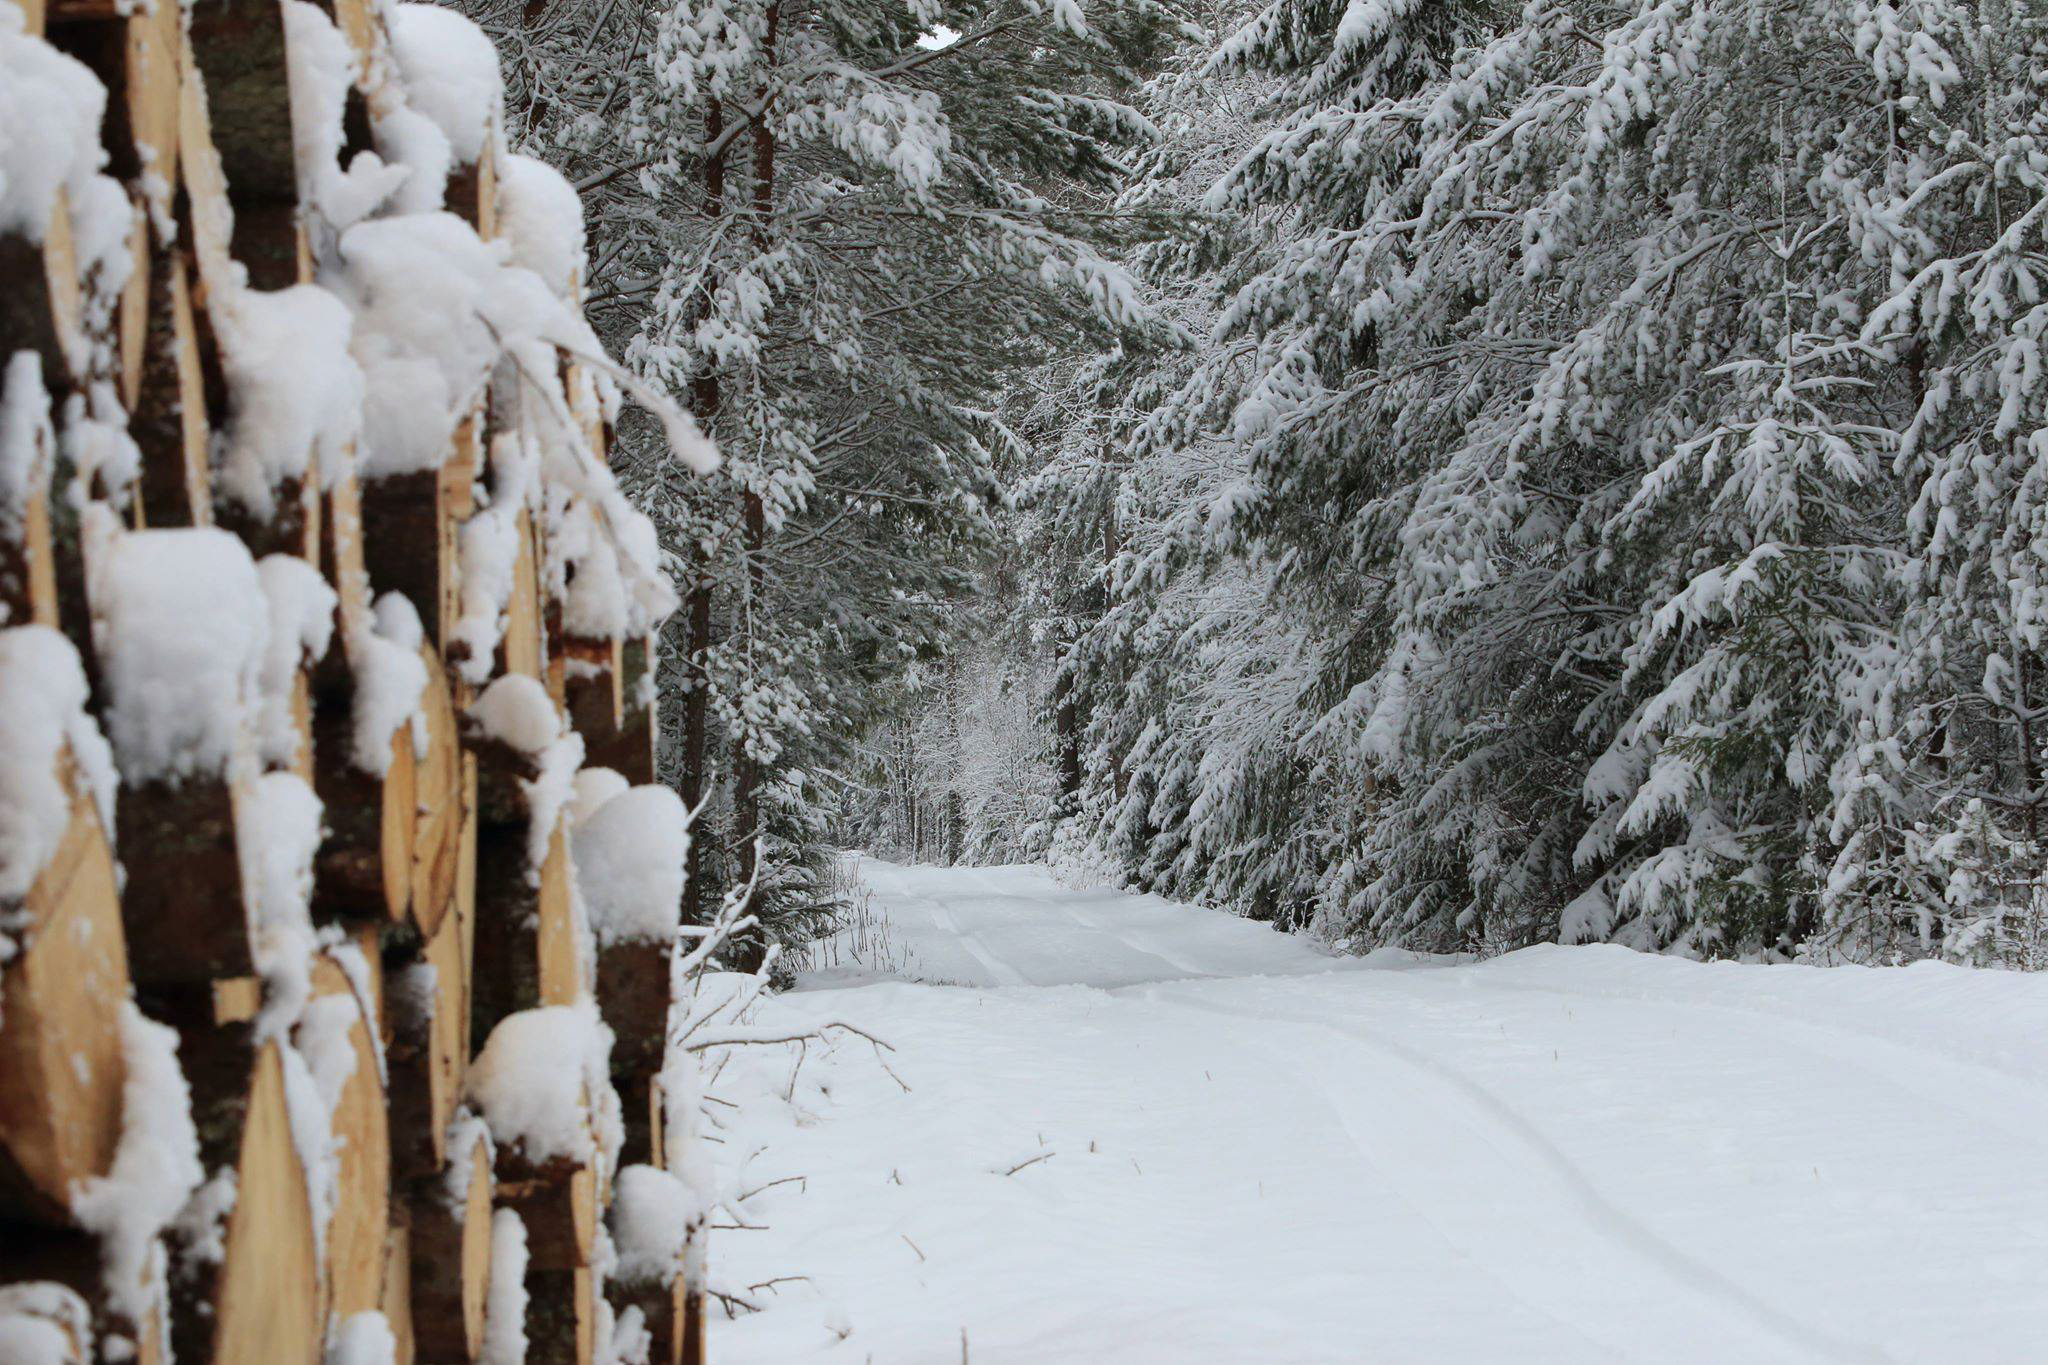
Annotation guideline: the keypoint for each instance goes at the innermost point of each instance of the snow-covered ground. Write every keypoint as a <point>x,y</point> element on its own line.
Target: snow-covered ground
<point>1254,1152</point>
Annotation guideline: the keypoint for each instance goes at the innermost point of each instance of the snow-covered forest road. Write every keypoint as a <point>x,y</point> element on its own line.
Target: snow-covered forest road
<point>1248,1151</point>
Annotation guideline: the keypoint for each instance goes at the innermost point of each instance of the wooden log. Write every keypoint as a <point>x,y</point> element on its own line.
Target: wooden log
<point>364,869</point>
<point>428,1015</point>
<point>61,1064</point>
<point>561,1315</point>
<point>451,1258</point>
<point>260,1300</point>
<point>237,49</point>
<point>402,542</point>
<point>60,1271</point>
<point>472,193</point>
<point>665,1312</point>
<point>410,527</point>
<point>631,750</point>
<point>168,414</point>
<point>360,1223</point>
<point>341,563</point>
<point>523,649</point>
<point>182,907</point>
<point>558,1201</point>
<point>438,800</point>
<point>633,997</point>
<point>586,675</point>
<point>396,1301</point>
<point>42,304</point>
<point>526,951</point>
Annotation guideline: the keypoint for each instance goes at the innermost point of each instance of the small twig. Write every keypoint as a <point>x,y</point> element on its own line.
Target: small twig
<point>883,1063</point>
<point>803,1050</point>
<point>779,1279</point>
<point>730,1297</point>
<point>913,1246</point>
<point>763,1189</point>
<point>742,1036</point>
<point>1042,1156</point>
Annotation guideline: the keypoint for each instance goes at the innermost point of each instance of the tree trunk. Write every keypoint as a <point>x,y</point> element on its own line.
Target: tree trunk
<point>697,630</point>
<point>746,800</point>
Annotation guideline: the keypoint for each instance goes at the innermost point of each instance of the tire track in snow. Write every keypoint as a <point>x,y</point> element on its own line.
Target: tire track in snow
<point>942,918</point>
<point>1889,1061</point>
<point>1063,904</point>
<point>1524,1144</point>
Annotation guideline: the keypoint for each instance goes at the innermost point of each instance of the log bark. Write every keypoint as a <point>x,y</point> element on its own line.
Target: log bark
<point>558,1200</point>
<point>450,1248</point>
<point>428,1050</point>
<point>632,995</point>
<point>182,906</point>
<point>561,1316</point>
<point>237,50</point>
<point>526,953</point>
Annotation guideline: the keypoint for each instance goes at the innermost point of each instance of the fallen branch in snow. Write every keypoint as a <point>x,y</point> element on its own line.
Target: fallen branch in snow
<point>741,1036</point>
<point>731,1297</point>
<point>785,1180</point>
<point>1031,1161</point>
<point>913,1246</point>
<point>779,1279</point>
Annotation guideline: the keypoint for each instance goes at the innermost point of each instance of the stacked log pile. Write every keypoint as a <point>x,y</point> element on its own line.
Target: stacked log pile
<point>337,912</point>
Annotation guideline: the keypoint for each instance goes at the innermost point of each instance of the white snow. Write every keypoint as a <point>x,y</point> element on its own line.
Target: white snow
<point>313,1141</point>
<point>363,1338</point>
<point>1261,1153</point>
<point>50,108</point>
<point>629,865</point>
<point>104,458</point>
<point>295,393</point>
<point>651,1216</point>
<point>540,214</point>
<point>541,1079</point>
<point>322,66</point>
<point>594,787</point>
<point>505,1297</point>
<point>463,1131</point>
<point>42,707</point>
<point>44,1323</point>
<point>179,622</point>
<point>421,286</point>
<point>25,437</point>
<point>390,677</point>
<point>156,1165</point>
<point>278,831</point>
<point>301,627</point>
<point>488,548</point>
<point>517,711</point>
<point>450,72</point>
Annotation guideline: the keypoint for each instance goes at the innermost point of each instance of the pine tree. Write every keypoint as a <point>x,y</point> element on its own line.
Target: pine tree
<point>841,228</point>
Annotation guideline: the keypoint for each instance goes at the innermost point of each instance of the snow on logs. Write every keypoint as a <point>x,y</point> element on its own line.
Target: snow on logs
<point>325,961</point>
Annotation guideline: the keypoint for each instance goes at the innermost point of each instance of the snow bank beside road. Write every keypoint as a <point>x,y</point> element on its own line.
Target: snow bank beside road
<point>1567,1154</point>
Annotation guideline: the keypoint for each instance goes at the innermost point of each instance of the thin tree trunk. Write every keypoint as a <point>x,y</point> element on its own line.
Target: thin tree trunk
<point>697,632</point>
<point>746,800</point>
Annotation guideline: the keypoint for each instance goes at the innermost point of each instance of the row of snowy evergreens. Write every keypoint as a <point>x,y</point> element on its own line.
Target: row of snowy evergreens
<point>1598,494</point>
<point>838,230</point>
